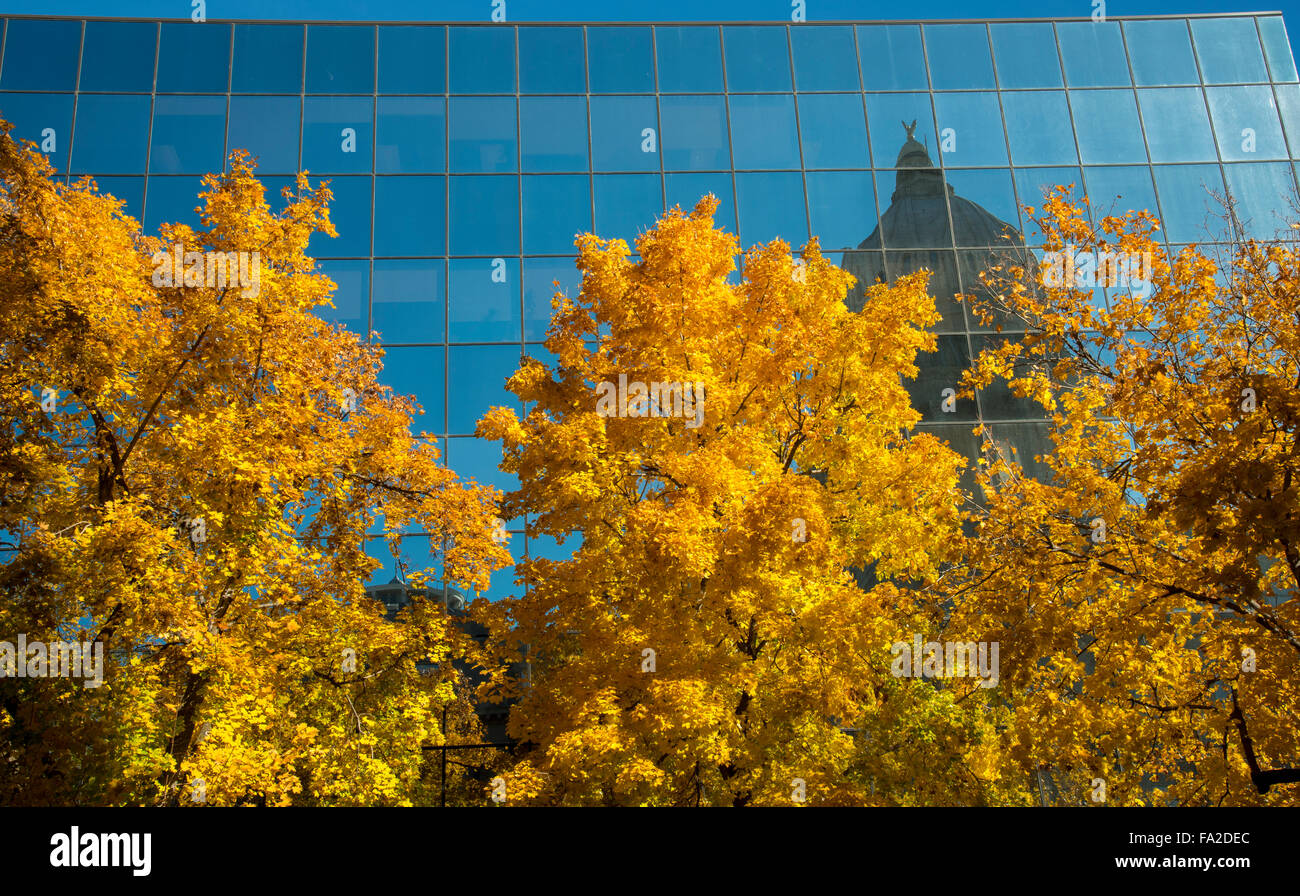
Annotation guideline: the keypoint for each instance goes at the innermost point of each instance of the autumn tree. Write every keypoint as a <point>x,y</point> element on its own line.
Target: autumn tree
<point>190,462</point>
<point>1144,586</point>
<point>720,453</point>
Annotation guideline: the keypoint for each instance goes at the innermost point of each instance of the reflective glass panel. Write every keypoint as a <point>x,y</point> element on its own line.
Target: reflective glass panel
<point>1191,213</point>
<point>550,60</point>
<point>991,190</point>
<point>1118,190</point>
<point>843,207</point>
<point>484,300</point>
<point>970,129</point>
<point>959,57</point>
<point>45,119</point>
<point>690,59</point>
<point>620,60</point>
<point>540,277</point>
<point>942,370</point>
<point>891,57</point>
<point>112,135</point>
<point>763,132</point>
<point>41,54</point>
<point>194,58</point>
<point>483,134</point>
<point>485,215</point>
<point>1288,105</point>
<point>171,200</point>
<point>885,111</point>
<point>758,57</point>
<point>1177,128</point>
<point>129,189</point>
<point>350,212</point>
<point>478,374</point>
<point>1033,184</point>
<point>1093,53</point>
<point>1106,126</point>
<point>479,460</point>
<point>1246,123</point>
<point>337,134</point>
<point>686,189</point>
<point>412,135</point>
<point>695,133</point>
<point>1228,50</point>
<point>825,58</point>
<point>624,133</point>
<point>771,205</point>
<point>409,215</point>
<point>189,134</point>
<point>267,126</point>
<point>1038,127</point>
<point>340,59</point>
<point>119,57</point>
<point>482,60</point>
<point>408,300</point>
<point>351,297</point>
<point>1161,52</point>
<point>1025,53</point>
<point>419,372</point>
<point>268,59</point>
<point>557,207</point>
<point>553,133</point>
<point>997,401</point>
<point>412,59</point>
<point>834,131</point>
<point>1265,197</point>
<point>1277,49</point>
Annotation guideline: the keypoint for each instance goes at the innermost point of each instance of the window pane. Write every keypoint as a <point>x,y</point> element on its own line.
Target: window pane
<point>1178,130</point>
<point>336,134</point>
<point>112,135</point>
<point>771,206</point>
<point>540,276</point>
<point>1106,126</point>
<point>1191,213</point>
<point>997,401</point>
<point>685,190</point>
<point>340,59</point>
<point>484,300</point>
<point>1288,103</point>
<point>825,58</point>
<point>410,214</point>
<point>268,59</point>
<point>624,133</point>
<point>763,132</point>
<point>620,60</point>
<point>1117,191</point>
<point>1277,48</point>
<point>482,60</point>
<point>1033,184</point>
<point>1228,50</point>
<point>554,133</point>
<point>486,212</point>
<point>626,205</point>
<point>479,459</point>
<point>758,57</point>
<point>940,370</point>
<point>1026,55</point>
<point>1265,196</point>
<point>350,212</point>
<point>483,135</point>
<point>45,119</point>
<point>194,58</point>
<point>695,133</point>
<point>409,299</point>
<point>267,126</point>
<point>690,59</point>
<point>189,134</point>
<point>959,56</point>
<point>926,225</point>
<point>991,190</point>
<point>119,56</point>
<point>41,55</point>
<point>171,200</point>
<point>834,131</point>
<point>419,372</point>
<point>891,57</point>
<point>843,207</point>
<point>970,131</point>
<point>351,298</point>
<point>1038,128</point>
<point>557,207</point>
<point>478,375</point>
<point>550,60</point>
<point>1245,121</point>
<point>885,111</point>
<point>412,59</point>
<point>412,135</point>
<point>1093,53</point>
<point>129,189</point>
<point>1161,53</point>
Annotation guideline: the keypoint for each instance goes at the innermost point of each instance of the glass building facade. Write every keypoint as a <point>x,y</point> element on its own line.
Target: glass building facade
<point>464,159</point>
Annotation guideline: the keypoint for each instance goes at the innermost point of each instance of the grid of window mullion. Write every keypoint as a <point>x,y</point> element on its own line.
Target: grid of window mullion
<point>1137,105</point>
<point>1209,115</point>
<point>798,133</point>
